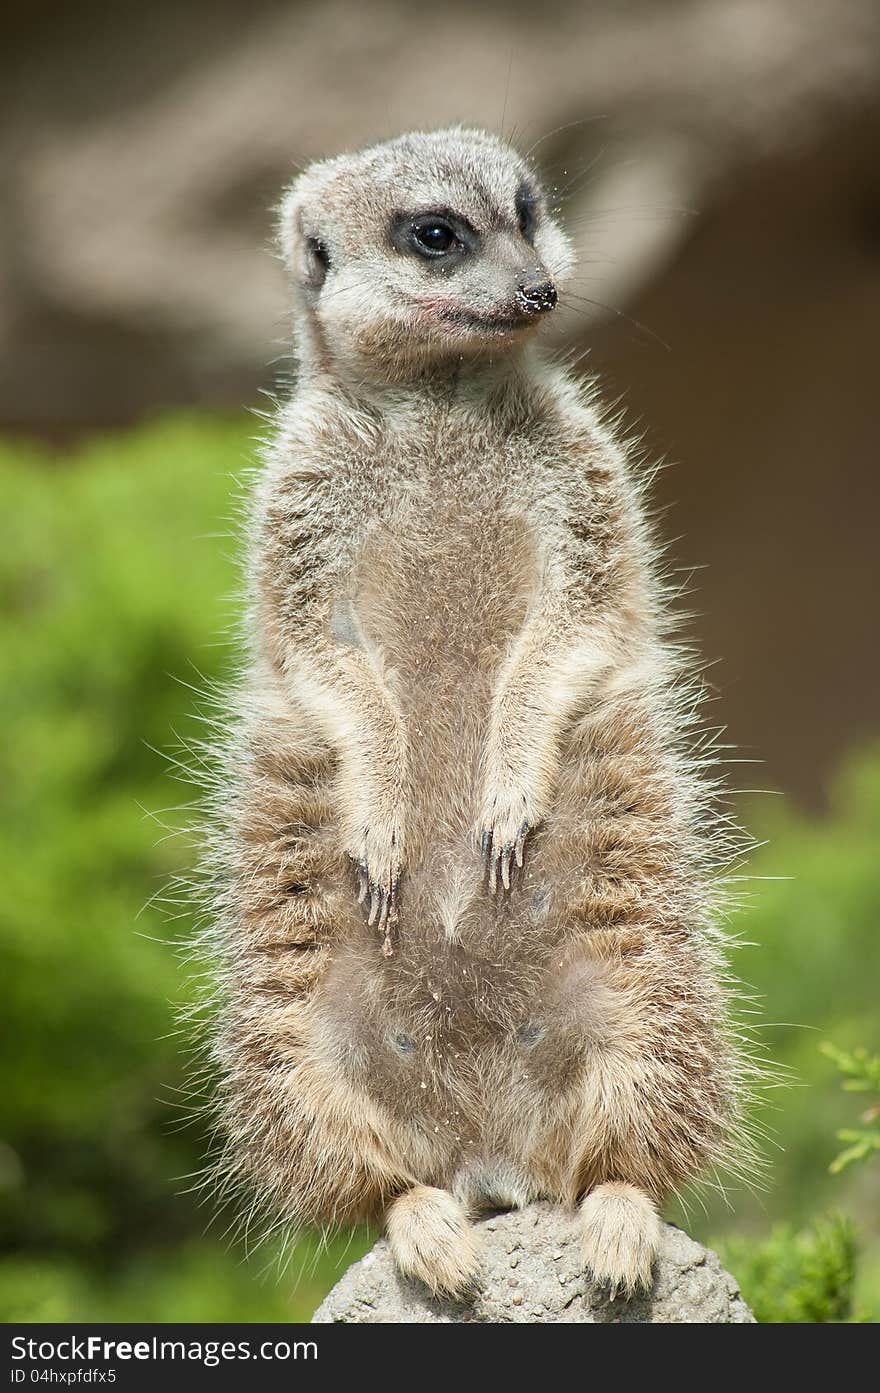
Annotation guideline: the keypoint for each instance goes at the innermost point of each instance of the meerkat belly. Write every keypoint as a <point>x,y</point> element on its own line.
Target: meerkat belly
<point>473,1055</point>
<point>415,1029</point>
<point>440,606</point>
<point>455,1035</point>
<point>461,1051</point>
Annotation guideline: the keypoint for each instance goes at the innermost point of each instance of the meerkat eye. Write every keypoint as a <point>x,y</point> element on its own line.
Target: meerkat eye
<point>526,211</point>
<point>318,258</point>
<point>441,236</point>
<point>434,237</point>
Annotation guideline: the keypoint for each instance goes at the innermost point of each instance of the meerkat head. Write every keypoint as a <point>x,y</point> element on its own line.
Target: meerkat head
<point>424,250</point>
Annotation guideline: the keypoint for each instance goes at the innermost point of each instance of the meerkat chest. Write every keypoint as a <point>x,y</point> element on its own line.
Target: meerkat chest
<point>448,567</point>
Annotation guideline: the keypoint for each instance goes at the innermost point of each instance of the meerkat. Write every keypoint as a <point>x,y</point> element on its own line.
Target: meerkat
<point>465,902</point>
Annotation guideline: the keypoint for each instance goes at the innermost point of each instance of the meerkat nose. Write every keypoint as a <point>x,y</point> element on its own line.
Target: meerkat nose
<point>537,295</point>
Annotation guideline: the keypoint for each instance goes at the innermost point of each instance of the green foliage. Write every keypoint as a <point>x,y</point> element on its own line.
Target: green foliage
<point>115,569</point>
<point>797,1275</point>
<point>114,573</point>
<point>110,589</point>
<point>195,1279</point>
<point>810,919</point>
<point>812,960</point>
<point>861,1072</point>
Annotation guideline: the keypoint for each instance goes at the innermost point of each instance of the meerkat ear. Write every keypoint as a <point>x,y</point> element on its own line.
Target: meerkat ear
<point>317,262</point>
<point>288,226</point>
<point>305,254</point>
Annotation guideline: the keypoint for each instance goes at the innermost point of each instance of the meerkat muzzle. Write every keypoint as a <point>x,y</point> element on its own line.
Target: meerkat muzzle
<point>537,296</point>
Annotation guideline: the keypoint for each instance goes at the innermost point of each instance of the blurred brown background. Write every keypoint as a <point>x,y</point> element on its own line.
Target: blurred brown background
<point>719,167</point>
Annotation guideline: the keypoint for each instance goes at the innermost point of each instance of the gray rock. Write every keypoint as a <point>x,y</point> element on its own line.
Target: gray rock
<point>532,1272</point>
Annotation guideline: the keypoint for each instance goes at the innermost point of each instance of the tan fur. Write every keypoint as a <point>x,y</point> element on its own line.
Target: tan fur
<point>459,644</point>
<point>432,1240</point>
<point>621,1236</point>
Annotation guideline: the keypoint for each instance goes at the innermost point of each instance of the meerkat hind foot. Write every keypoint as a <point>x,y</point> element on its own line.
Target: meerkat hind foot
<point>431,1239</point>
<point>621,1236</point>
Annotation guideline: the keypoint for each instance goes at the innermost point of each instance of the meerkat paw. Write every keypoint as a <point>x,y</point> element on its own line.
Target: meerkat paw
<point>377,854</point>
<point>621,1236</point>
<point>507,819</point>
<point>431,1239</point>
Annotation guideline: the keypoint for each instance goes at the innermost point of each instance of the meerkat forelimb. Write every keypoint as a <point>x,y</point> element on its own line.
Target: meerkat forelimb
<point>559,657</point>
<point>358,714</point>
<point>331,670</point>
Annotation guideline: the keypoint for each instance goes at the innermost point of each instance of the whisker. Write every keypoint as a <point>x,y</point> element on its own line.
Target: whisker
<point>618,314</point>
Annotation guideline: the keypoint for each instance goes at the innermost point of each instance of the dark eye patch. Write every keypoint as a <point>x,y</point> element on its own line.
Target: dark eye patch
<point>440,237</point>
<point>527,208</point>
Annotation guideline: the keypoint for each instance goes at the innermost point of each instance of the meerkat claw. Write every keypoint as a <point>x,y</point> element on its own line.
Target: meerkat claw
<point>501,859</point>
<point>505,866</point>
<point>380,900</point>
<point>492,867</point>
<point>388,913</point>
<point>378,878</point>
<point>384,911</point>
<point>520,844</point>
<point>495,864</point>
<point>363,881</point>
